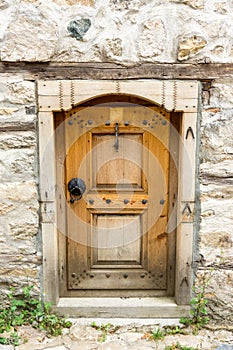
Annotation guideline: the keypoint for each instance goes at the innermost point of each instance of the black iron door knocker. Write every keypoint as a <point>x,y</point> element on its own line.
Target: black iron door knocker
<point>76,187</point>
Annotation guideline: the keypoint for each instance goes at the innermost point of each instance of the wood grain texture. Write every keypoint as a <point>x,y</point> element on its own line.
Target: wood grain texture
<point>125,245</point>
<point>49,70</point>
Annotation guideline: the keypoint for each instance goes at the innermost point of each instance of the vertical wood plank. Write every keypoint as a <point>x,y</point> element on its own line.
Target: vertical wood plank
<point>46,156</point>
<point>184,272</point>
<point>188,157</point>
<point>61,199</point>
<point>173,199</point>
<point>50,262</point>
<point>77,219</point>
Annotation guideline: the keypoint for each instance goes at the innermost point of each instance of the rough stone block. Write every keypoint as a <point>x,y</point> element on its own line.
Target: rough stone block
<point>30,37</point>
<point>19,192</point>
<point>219,293</point>
<point>189,46</point>
<point>197,4</point>
<point>21,92</point>
<point>78,28</point>
<point>152,38</point>
<point>222,95</point>
<point>18,165</point>
<point>26,139</point>
<point>75,2</point>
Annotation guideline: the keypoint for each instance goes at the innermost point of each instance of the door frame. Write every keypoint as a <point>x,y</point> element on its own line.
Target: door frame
<point>176,96</point>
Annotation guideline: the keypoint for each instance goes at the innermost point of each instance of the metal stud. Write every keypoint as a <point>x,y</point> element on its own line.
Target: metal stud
<point>126,201</point>
<point>108,201</point>
<point>107,123</point>
<point>91,201</point>
<point>144,201</point>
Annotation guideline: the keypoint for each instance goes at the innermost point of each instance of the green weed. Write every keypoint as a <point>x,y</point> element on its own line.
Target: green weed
<point>178,346</point>
<point>105,329</point>
<point>27,311</point>
<point>157,334</point>
<point>199,312</point>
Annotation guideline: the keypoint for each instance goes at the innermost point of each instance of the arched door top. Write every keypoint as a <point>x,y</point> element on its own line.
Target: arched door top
<point>172,95</point>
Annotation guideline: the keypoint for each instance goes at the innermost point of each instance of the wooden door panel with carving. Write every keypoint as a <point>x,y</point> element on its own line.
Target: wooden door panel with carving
<point>116,233</point>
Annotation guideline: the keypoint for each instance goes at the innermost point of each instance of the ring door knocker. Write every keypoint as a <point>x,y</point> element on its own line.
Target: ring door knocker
<point>76,187</point>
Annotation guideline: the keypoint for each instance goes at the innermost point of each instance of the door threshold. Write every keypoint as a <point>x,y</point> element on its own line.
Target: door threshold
<point>159,307</point>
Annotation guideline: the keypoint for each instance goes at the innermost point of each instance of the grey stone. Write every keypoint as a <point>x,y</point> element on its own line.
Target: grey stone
<point>225,347</point>
<point>21,139</point>
<point>114,345</point>
<point>78,28</point>
<point>197,4</point>
<point>130,336</point>
<point>55,348</point>
<point>29,38</point>
<point>31,110</point>
<point>152,38</point>
<point>81,333</point>
<point>83,345</point>
<point>6,347</point>
<point>3,5</point>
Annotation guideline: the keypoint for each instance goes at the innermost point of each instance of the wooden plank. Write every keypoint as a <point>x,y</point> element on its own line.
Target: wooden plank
<point>116,115</point>
<point>48,212</point>
<point>50,265</point>
<point>188,157</point>
<point>173,197</point>
<point>118,239</point>
<point>184,270</point>
<point>77,219</point>
<point>117,167</point>
<point>81,88</point>
<point>61,200</point>
<point>117,279</point>
<point>54,70</point>
<point>157,252</point>
<point>116,201</point>
<point>187,213</point>
<point>46,155</point>
<point>174,95</point>
<point>115,293</point>
<point>54,103</point>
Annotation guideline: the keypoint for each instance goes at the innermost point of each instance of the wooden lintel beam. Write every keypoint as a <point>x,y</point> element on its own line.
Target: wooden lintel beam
<point>53,70</point>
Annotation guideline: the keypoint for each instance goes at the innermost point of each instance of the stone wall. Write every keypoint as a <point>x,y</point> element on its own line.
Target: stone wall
<point>128,33</point>
<point>216,193</point>
<point>116,30</point>
<point>19,240</point>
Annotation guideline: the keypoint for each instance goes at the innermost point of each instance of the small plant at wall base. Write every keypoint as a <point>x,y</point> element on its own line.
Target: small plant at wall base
<point>157,334</point>
<point>198,314</point>
<point>104,330</point>
<point>177,346</point>
<point>27,311</point>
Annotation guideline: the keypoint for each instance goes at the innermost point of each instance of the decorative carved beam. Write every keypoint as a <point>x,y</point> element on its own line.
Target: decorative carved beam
<point>48,70</point>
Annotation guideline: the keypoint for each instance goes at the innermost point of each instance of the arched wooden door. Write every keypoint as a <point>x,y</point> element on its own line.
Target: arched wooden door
<point>117,243</point>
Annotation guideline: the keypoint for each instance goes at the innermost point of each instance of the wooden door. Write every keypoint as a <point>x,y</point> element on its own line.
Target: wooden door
<point>116,233</point>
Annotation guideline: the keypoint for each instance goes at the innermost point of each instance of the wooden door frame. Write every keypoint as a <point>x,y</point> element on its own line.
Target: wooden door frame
<point>176,96</point>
